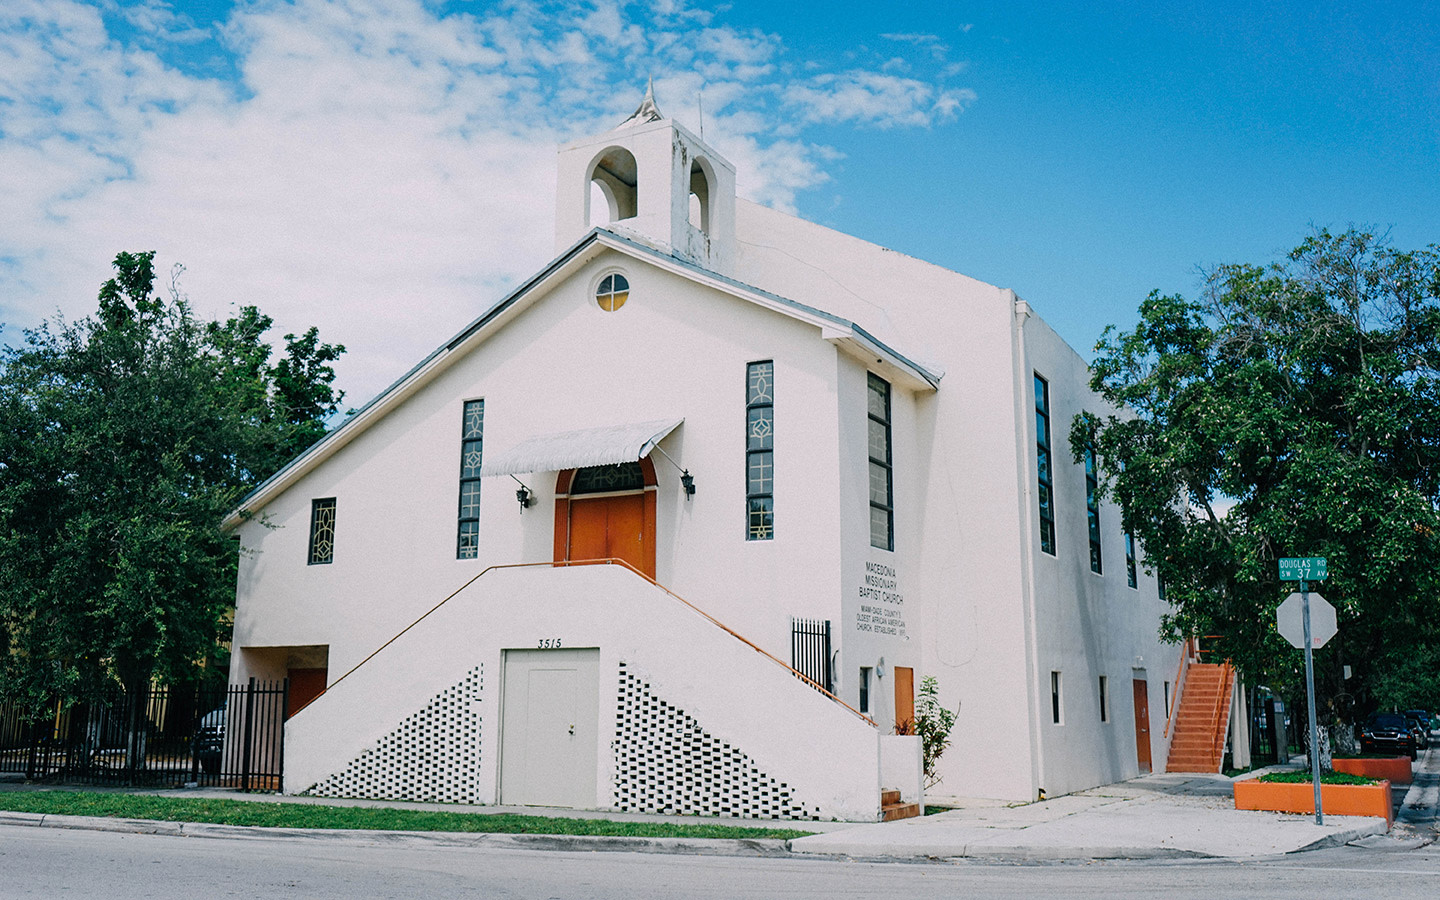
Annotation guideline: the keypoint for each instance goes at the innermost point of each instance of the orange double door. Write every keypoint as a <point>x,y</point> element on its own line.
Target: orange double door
<point>606,527</point>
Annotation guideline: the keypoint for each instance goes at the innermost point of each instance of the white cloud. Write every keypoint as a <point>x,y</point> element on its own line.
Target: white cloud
<point>930,42</point>
<point>378,169</point>
<point>159,20</point>
<point>872,98</point>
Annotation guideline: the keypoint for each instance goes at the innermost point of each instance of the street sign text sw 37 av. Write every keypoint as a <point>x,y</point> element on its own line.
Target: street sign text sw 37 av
<point>1305,568</point>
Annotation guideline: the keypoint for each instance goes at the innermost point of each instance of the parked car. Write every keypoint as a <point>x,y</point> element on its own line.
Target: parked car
<point>1426,720</point>
<point>1388,732</point>
<point>1421,729</point>
<point>210,740</point>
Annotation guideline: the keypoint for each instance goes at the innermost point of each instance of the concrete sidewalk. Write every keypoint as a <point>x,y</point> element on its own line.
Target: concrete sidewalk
<point>1150,817</point>
<point>1153,816</point>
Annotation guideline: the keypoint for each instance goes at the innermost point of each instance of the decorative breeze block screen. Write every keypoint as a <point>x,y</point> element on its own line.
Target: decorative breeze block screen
<point>433,756</point>
<point>666,763</point>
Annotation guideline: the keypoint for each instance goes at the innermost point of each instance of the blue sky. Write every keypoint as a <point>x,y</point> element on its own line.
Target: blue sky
<point>384,168</point>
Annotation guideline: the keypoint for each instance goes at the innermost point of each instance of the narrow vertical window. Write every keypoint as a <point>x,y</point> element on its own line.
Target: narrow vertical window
<point>322,531</point>
<point>472,431</point>
<point>1131,577</point>
<point>1104,699</point>
<point>1092,507</point>
<point>1055,698</point>
<point>1045,488</point>
<point>865,689</point>
<point>1167,699</point>
<point>1159,585</point>
<point>760,451</point>
<point>882,491</point>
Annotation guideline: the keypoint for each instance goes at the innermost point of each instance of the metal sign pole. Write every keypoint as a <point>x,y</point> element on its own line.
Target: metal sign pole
<point>1310,700</point>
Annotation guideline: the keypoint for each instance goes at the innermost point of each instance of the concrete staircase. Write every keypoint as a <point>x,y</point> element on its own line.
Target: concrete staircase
<point>1202,720</point>
<point>891,808</point>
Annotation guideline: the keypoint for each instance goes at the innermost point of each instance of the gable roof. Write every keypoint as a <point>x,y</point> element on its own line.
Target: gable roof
<point>845,334</point>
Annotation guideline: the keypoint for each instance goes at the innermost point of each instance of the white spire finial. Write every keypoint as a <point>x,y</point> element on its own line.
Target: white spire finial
<point>647,111</point>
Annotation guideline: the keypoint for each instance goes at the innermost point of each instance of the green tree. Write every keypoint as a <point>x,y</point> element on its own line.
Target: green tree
<point>1305,394</point>
<point>127,436</point>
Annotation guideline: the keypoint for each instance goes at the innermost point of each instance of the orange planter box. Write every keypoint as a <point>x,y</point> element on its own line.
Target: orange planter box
<point>1337,799</point>
<point>1397,770</point>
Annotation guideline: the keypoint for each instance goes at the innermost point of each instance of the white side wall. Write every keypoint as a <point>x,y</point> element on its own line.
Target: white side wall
<point>958,467</point>
<point>1087,624</point>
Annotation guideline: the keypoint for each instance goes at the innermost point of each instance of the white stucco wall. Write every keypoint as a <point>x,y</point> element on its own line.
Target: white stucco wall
<point>665,154</point>
<point>959,466</point>
<point>981,608</point>
<point>1087,624</point>
<point>757,706</point>
<point>675,349</point>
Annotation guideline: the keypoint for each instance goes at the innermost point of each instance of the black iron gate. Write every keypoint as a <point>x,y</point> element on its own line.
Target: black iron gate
<point>163,736</point>
<point>810,650</point>
<point>1269,742</point>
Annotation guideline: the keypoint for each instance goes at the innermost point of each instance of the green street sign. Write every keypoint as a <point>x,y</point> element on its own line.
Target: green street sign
<point>1308,568</point>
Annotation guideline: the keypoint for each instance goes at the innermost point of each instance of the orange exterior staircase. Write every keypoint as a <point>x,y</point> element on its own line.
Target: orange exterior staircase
<point>1202,719</point>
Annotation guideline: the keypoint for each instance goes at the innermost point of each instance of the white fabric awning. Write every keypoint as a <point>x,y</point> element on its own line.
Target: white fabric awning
<point>603,446</point>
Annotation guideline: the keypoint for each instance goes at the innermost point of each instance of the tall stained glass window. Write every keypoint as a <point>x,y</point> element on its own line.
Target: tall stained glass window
<point>322,531</point>
<point>472,431</point>
<point>882,489</point>
<point>760,450</point>
<point>1092,507</point>
<point>1045,489</point>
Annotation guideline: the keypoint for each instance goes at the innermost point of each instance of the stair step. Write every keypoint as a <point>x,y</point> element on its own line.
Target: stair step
<point>1200,720</point>
<point>894,811</point>
<point>889,797</point>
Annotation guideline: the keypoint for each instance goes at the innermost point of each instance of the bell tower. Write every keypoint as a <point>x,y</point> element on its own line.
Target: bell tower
<point>651,179</point>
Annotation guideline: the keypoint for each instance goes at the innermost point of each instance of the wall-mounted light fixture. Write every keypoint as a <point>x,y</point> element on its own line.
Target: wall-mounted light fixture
<point>687,481</point>
<point>524,495</point>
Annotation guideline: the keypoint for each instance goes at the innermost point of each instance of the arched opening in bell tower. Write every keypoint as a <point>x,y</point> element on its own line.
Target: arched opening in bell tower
<point>613,187</point>
<point>701,177</point>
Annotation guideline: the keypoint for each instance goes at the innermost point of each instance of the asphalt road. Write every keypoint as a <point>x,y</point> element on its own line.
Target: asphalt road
<point>47,862</point>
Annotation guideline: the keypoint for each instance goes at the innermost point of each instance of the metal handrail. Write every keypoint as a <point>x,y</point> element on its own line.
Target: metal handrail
<point>1180,673</point>
<point>587,562</point>
<point>1225,690</point>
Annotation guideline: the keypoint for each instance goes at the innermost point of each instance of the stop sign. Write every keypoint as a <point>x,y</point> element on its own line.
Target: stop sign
<point>1289,619</point>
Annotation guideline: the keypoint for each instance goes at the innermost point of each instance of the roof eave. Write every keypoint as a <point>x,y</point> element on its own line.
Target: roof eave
<point>398,391</point>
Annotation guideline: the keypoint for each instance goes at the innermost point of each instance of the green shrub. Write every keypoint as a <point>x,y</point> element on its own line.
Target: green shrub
<point>1303,777</point>
<point>933,723</point>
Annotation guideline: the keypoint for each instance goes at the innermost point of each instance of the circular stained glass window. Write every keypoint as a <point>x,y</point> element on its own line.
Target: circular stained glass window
<point>612,292</point>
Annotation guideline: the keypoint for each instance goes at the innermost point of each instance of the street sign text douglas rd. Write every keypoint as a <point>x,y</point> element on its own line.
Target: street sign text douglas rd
<point>1307,568</point>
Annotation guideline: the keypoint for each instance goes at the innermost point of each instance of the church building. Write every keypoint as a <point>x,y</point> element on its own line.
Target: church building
<point>682,523</point>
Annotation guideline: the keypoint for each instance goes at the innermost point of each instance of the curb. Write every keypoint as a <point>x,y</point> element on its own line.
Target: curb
<point>748,847</point>
<point>755,847</point>
<point>1341,838</point>
<point>743,847</point>
<point>1019,853</point>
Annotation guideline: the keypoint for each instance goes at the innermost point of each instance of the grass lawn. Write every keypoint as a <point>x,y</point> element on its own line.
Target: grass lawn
<point>304,815</point>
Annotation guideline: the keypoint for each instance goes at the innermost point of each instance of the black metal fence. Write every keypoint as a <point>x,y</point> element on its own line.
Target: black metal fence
<point>810,650</point>
<point>166,736</point>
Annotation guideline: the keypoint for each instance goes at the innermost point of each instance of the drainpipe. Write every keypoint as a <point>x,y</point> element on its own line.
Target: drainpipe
<point>1026,420</point>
